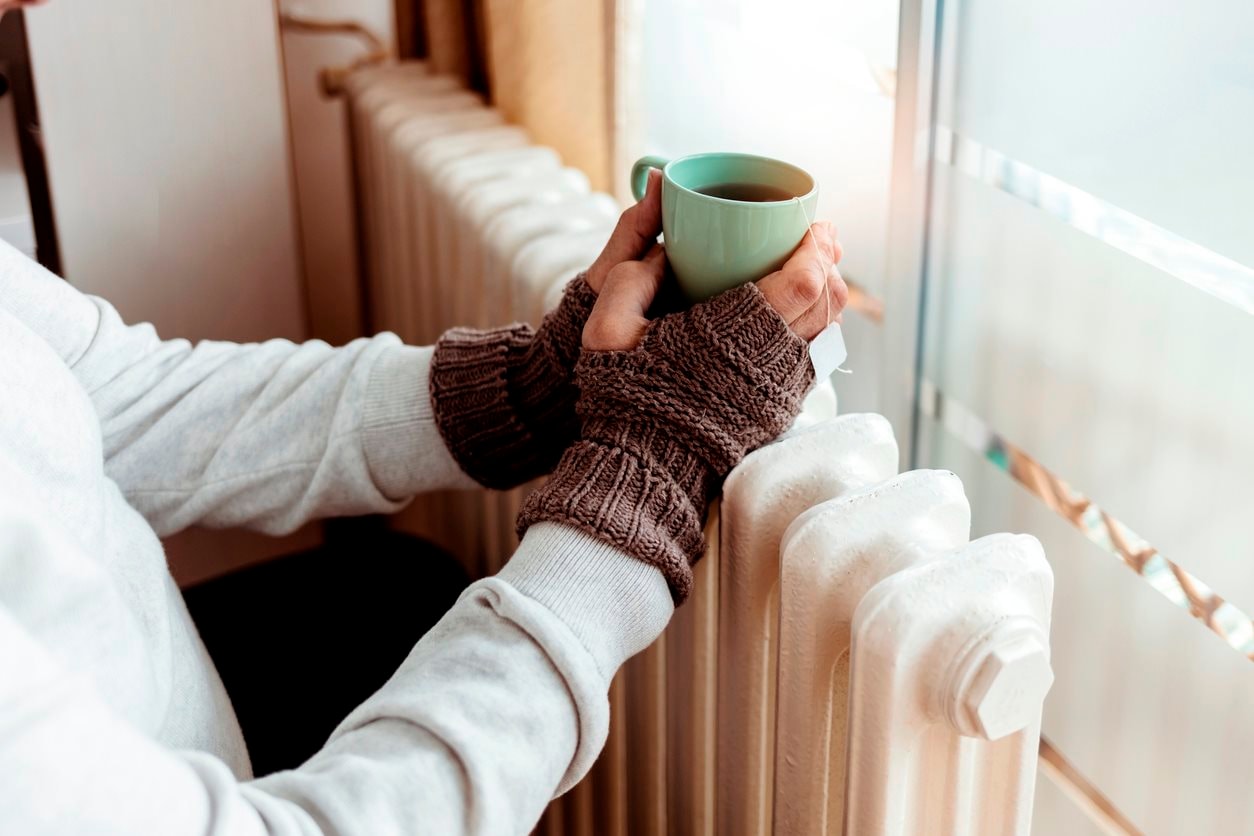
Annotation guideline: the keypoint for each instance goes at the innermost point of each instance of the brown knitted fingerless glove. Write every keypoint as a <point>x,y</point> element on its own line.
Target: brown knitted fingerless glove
<point>664,423</point>
<point>504,398</point>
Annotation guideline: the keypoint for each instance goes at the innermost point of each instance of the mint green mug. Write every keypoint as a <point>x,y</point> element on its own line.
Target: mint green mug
<point>713,243</point>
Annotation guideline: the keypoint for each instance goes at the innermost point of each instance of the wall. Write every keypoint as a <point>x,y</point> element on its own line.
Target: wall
<point>169,164</point>
<point>16,225</point>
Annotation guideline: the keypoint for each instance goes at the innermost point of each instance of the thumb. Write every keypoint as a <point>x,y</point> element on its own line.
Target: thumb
<point>637,229</point>
<point>618,320</point>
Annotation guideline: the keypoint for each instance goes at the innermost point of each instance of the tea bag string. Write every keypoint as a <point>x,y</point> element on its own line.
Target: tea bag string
<point>827,292</point>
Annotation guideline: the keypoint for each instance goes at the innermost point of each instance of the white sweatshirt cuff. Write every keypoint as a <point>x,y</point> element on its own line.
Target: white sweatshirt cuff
<point>403,446</point>
<point>615,604</point>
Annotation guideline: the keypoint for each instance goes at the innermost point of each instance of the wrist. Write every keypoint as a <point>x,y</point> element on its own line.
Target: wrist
<point>628,501</point>
<point>612,602</point>
<point>401,442</point>
<point>504,398</point>
<point>665,422</point>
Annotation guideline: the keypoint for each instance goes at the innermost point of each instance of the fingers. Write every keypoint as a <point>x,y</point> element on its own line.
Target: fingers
<point>808,291</point>
<point>794,289</point>
<point>618,320</point>
<point>825,310</point>
<point>637,230</point>
<point>831,247</point>
<point>647,217</point>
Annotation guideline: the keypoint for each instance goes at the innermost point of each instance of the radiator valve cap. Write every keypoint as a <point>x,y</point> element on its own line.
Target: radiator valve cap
<point>1007,689</point>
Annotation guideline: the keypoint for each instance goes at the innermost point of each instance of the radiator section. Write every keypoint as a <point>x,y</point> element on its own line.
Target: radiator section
<point>850,661</point>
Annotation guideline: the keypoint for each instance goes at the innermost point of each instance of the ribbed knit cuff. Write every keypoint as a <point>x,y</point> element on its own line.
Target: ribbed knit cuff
<point>504,399</point>
<point>755,340</point>
<point>609,493</point>
<point>402,445</point>
<point>562,327</point>
<point>664,422</point>
<point>612,602</point>
<point>470,396</point>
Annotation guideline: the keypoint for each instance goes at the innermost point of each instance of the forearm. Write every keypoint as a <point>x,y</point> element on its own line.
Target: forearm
<point>267,435</point>
<point>504,398</point>
<point>499,707</point>
<point>272,435</point>
<point>666,420</point>
<point>275,434</point>
<point>504,703</point>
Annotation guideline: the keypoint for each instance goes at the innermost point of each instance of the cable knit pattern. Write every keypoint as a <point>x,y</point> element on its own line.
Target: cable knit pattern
<point>664,423</point>
<point>504,398</point>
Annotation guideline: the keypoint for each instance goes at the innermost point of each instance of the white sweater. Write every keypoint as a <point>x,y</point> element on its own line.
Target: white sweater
<point>112,717</point>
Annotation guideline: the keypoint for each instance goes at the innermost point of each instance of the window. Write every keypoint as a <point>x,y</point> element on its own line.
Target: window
<point>1053,202</point>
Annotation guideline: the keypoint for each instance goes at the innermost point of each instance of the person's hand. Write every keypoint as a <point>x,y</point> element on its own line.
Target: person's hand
<point>504,398</point>
<point>637,230</point>
<point>807,292</point>
<point>669,406</point>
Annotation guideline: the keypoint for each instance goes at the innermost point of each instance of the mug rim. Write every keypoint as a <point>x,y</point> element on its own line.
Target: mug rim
<point>761,204</point>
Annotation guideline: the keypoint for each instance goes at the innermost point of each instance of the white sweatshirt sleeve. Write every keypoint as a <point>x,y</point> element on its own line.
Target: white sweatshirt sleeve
<point>499,706</point>
<point>267,435</point>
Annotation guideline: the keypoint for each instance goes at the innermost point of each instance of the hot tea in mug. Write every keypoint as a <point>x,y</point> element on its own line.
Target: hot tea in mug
<point>728,219</point>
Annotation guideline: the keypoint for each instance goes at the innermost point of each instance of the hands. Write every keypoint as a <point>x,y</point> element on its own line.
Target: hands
<point>504,398</point>
<point>669,406</point>
<point>807,292</point>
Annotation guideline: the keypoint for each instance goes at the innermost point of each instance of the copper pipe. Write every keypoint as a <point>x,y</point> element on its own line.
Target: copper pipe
<point>331,79</point>
<point>1099,809</point>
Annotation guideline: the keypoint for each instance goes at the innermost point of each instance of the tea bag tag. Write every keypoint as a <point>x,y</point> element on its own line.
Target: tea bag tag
<point>828,352</point>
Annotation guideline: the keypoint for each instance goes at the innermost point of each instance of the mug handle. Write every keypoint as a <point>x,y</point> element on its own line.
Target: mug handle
<point>640,173</point>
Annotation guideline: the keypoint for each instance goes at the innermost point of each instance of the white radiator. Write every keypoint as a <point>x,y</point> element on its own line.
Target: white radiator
<point>849,662</point>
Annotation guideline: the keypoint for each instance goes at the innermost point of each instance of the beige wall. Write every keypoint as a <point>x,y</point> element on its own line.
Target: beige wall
<point>169,164</point>
<point>168,154</point>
